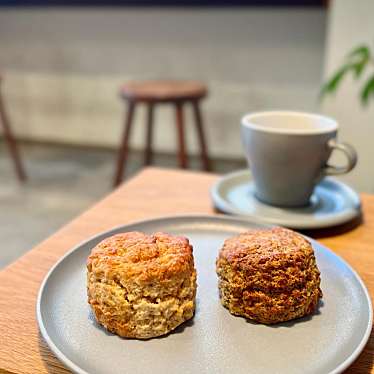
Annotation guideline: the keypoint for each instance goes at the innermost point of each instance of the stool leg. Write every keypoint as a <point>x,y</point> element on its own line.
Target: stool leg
<point>181,141</point>
<point>123,150</point>
<point>200,132</point>
<point>11,142</point>
<point>149,136</point>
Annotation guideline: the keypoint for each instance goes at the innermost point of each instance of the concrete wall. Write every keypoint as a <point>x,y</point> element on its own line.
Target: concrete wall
<point>351,23</point>
<point>64,66</point>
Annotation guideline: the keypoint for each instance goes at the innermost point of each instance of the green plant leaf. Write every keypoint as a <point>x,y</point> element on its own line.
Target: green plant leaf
<point>359,57</point>
<point>367,90</point>
<point>332,84</point>
<point>362,52</point>
<point>359,67</point>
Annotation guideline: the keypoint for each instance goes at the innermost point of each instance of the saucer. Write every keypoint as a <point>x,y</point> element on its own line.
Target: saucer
<point>333,203</point>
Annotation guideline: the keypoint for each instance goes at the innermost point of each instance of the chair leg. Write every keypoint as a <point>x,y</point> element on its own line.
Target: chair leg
<point>148,150</point>
<point>11,143</point>
<point>201,136</point>
<point>123,150</point>
<point>181,141</point>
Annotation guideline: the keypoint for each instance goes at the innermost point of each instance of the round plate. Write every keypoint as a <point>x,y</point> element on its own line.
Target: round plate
<point>333,203</point>
<point>214,341</point>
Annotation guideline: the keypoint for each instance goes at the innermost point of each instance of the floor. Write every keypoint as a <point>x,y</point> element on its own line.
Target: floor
<point>57,190</point>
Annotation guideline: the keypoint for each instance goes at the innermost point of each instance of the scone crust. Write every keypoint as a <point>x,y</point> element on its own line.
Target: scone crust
<point>268,276</point>
<point>142,286</point>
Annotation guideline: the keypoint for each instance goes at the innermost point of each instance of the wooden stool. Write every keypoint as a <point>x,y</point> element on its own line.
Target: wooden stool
<point>10,141</point>
<point>151,93</point>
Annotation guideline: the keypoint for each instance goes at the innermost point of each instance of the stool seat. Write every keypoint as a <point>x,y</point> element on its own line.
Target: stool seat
<point>163,90</point>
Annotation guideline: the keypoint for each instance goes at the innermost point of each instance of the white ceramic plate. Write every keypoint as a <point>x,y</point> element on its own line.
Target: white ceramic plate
<point>333,203</point>
<point>214,341</point>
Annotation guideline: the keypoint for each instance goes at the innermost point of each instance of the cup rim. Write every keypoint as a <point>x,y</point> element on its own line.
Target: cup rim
<point>247,121</point>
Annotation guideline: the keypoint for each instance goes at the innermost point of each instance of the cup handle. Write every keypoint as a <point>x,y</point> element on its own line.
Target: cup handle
<point>349,152</point>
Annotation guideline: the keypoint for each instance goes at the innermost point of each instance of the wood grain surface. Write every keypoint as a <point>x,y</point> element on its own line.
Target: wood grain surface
<point>152,193</point>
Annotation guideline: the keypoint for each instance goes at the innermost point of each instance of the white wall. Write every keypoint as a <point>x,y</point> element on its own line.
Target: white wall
<point>64,66</point>
<point>352,23</point>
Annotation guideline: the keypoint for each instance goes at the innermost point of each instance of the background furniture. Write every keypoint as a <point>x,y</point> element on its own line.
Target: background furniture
<point>152,193</point>
<point>10,141</point>
<point>152,93</point>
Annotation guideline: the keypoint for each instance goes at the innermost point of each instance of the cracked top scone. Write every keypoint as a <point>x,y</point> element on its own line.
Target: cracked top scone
<point>142,286</point>
<point>268,276</point>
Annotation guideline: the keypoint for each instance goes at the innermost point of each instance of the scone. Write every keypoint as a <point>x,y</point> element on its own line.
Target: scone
<point>268,276</point>
<point>142,286</point>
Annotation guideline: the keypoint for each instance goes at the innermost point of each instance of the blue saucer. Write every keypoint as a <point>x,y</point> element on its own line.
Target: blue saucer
<point>333,203</point>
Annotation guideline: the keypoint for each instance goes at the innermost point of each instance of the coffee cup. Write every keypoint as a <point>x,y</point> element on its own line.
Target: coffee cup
<point>288,154</point>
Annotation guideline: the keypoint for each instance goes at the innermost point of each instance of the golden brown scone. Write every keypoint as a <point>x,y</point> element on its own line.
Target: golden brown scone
<point>268,276</point>
<point>142,286</point>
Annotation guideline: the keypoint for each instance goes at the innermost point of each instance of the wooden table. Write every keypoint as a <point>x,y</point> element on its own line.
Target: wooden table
<point>154,192</point>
